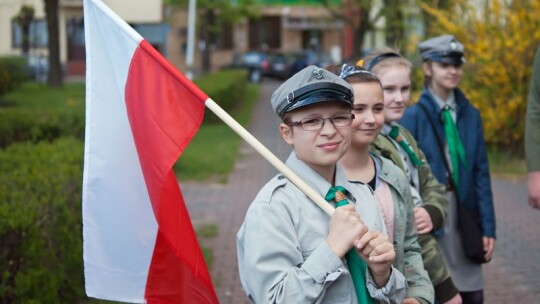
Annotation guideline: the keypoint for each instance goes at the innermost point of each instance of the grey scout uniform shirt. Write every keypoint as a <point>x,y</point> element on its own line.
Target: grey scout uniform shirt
<point>283,256</point>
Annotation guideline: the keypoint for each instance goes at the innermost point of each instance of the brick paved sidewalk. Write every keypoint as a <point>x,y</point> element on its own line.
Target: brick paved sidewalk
<point>226,205</point>
<point>513,276</point>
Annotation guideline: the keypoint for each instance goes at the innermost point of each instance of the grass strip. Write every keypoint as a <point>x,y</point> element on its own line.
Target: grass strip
<point>212,152</point>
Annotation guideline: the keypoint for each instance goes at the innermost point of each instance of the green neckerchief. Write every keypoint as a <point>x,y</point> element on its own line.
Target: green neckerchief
<point>455,146</point>
<point>394,134</point>
<point>357,266</point>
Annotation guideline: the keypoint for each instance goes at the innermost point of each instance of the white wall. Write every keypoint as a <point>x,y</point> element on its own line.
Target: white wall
<point>137,11</point>
<point>134,11</point>
<point>8,10</point>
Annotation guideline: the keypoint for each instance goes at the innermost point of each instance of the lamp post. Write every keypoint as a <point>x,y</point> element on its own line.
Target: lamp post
<point>191,38</point>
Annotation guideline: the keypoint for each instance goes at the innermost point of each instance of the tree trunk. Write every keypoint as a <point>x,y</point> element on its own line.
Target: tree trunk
<point>394,23</point>
<point>25,40</point>
<point>209,20</point>
<point>24,19</point>
<point>55,78</point>
<point>360,32</point>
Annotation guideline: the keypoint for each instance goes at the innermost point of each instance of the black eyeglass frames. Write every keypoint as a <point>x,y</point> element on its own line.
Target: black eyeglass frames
<point>317,123</point>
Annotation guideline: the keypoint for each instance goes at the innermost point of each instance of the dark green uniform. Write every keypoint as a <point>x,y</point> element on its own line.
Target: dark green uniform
<point>532,129</point>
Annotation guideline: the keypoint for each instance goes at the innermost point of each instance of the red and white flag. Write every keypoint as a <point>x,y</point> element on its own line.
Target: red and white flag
<point>141,113</point>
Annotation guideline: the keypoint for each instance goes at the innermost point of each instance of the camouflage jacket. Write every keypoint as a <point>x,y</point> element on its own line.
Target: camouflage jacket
<point>434,201</point>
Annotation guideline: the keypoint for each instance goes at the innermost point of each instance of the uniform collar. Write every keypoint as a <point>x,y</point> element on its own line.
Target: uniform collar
<point>316,181</point>
<point>450,102</point>
<point>386,128</point>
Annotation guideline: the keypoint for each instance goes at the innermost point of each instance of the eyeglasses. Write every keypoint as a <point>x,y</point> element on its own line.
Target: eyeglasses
<point>314,124</point>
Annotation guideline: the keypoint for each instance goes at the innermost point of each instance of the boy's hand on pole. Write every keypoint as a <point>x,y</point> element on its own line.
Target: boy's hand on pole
<point>346,227</point>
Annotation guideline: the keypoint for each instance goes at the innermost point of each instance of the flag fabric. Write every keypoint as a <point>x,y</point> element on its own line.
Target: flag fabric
<point>141,113</point>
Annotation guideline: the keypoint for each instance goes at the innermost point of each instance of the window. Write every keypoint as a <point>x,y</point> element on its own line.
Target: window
<point>311,39</point>
<point>224,38</point>
<point>265,33</point>
<point>75,38</point>
<point>39,37</point>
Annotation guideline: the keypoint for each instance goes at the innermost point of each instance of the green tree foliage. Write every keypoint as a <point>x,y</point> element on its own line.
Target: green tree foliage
<point>500,39</point>
<point>430,22</point>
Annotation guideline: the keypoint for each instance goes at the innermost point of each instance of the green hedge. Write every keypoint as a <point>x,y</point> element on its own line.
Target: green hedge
<point>36,112</point>
<point>41,158</point>
<point>227,88</point>
<point>40,222</point>
<point>13,72</point>
<point>23,124</point>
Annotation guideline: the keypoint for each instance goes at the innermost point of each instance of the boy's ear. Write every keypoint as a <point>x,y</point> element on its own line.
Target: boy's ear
<point>286,133</point>
<point>427,68</point>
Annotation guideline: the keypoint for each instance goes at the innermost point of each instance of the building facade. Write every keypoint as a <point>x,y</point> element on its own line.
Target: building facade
<point>145,16</point>
<point>281,26</point>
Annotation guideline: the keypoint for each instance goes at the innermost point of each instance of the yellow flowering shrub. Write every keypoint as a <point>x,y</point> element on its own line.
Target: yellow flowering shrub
<point>500,41</point>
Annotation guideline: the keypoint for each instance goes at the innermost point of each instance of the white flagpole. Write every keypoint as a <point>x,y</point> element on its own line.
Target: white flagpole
<point>276,162</point>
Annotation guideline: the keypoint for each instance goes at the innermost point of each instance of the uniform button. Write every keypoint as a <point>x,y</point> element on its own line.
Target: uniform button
<point>281,177</point>
<point>384,290</point>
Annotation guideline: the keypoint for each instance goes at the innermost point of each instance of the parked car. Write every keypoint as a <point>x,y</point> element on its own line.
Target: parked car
<point>281,66</point>
<point>38,67</point>
<point>284,65</point>
<point>256,62</point>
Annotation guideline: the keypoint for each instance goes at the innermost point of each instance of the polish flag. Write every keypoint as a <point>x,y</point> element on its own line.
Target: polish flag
<point>141,113</point>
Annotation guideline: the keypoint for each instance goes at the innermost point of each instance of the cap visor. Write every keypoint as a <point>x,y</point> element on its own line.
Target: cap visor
<point>318,97</point>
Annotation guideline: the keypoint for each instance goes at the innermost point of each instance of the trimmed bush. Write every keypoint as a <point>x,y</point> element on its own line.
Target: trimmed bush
<point>13,72</point>
<point>36,112</point>
<point>227,88</point>
<point>60,113</point>
<point>21,124</point>
<point>40,222</point>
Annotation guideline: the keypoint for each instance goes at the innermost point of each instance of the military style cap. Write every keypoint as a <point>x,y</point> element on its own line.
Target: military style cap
<point>309,86</point>
<point>445,49</point>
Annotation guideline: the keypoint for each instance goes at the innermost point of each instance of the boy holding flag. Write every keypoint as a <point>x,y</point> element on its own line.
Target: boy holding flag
<point>289,251</point>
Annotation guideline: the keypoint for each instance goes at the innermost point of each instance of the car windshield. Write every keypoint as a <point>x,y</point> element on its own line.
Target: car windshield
<point>252,58</point>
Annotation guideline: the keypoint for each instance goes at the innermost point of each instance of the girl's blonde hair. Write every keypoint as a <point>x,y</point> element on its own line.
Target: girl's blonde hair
<point>384,57</point>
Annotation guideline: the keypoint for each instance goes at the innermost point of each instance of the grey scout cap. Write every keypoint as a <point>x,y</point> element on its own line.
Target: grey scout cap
<point>445,49</point>
<point>309,86</point>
